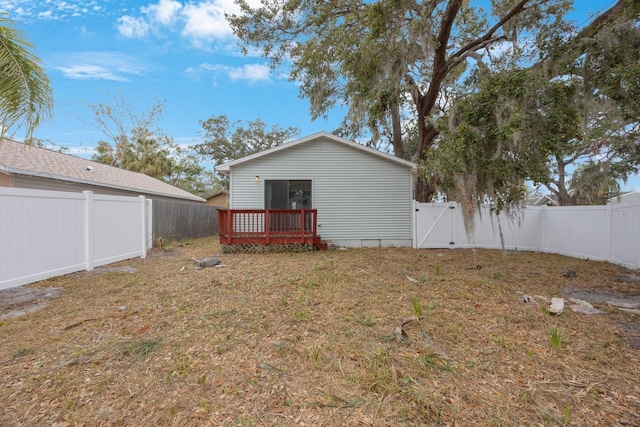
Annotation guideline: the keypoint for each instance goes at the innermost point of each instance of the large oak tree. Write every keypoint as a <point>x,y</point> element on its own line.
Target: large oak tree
<point>380,58</point>
<point>569,123</point>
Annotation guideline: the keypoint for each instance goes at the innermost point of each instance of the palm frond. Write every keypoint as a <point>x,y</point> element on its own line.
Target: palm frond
<point>26,98</point>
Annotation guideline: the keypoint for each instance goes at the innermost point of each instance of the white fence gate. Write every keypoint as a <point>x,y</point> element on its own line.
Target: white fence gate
<point>607,233</point>
<point>49,233</point>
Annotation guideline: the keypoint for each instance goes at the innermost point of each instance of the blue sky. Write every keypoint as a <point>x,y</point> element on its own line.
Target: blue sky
<point>180,53</point>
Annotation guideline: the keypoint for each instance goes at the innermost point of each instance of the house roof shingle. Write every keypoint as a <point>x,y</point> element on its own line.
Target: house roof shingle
<point>22,159</point>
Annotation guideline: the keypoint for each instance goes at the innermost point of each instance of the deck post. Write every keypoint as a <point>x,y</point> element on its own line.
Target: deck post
<point>302,224</point>
<point>267,225</point>
<point>315,224</point>
<point>229,225</point>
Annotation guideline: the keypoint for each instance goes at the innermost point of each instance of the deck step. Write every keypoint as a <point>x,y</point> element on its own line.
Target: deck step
<point>320,244</point>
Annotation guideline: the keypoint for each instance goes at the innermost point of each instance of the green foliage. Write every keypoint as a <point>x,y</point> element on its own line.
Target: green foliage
<point>556,338</point>
<point>551,123</point>
<point>148,154</point>
<point>225,141</point>
<point>140,349</point>
<point>417,308</point>
<point>314,355</point>
<point>22,353</point>
<point>139,145</point>
<point>27,97</point>
<point>389,62</point>
<point>433,361</point>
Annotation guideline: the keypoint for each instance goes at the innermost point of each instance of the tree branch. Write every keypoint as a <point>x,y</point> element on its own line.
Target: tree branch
<point>483,41</point>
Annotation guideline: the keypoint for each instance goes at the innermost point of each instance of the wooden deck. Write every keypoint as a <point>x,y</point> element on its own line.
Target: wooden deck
<point>269,226</point>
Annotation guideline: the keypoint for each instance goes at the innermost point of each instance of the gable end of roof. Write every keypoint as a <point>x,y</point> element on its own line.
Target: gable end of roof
<point>225,167</point>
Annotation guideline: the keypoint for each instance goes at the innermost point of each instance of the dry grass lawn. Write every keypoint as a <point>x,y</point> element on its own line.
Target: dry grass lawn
<point>308,339</point>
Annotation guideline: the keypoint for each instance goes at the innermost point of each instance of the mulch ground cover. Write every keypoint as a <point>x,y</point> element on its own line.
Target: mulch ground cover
<point>317,339</point>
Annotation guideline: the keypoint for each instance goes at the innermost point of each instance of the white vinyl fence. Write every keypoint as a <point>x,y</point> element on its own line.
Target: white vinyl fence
<point>49,233</point>
<point>606,233</point>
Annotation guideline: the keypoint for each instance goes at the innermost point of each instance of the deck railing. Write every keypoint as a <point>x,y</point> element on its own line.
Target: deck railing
<point>267,226</point>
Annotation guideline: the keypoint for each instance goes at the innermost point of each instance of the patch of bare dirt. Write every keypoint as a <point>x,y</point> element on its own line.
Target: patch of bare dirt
<point>22,300</point>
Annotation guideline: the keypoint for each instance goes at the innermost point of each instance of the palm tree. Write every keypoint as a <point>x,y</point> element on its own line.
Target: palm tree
<point>26,97</point>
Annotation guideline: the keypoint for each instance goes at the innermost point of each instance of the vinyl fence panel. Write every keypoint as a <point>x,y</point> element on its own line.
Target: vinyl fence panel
<point>433,225</point>
<point>49,233</point>
<point>117,224</point>
<point>578,231</point>
<point>625,233</point>
<point>41,235</point>
<point>608,233</point>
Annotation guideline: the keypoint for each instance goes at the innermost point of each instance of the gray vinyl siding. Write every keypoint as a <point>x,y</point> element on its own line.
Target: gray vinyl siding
<point>362,199</point>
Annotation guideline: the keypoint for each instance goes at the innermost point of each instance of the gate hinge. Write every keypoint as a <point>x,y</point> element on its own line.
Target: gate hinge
<point>452,207</point>
<point>452,243</point>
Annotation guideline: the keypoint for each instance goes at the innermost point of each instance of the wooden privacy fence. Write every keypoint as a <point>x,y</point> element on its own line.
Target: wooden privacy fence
<point>178,220</point>
<point>606,233</point>
<point>50,233</point>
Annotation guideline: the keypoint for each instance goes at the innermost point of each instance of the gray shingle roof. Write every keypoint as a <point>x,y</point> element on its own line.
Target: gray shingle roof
<point>18,158</point>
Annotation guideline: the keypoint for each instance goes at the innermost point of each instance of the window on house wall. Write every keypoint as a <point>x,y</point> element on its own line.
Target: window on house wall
<point>287,194</point>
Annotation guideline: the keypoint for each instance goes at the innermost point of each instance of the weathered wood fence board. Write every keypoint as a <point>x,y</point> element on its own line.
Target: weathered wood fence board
<point>177,221</point>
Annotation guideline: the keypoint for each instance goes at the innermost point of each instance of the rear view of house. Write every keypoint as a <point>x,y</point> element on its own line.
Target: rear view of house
<point>362,197</point>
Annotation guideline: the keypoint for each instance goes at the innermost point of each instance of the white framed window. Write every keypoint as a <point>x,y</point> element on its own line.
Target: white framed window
<point>287,194</point>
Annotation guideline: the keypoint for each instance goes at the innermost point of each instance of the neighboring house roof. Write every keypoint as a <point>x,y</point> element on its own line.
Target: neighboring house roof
<point>537,199</point>
<point>630,197</point>
<point>219,193</point>
<point>224,168</point>
<point>21,159</point>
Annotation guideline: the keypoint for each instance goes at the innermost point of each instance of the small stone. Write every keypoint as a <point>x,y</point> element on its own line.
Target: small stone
<point>581,302</point>
<point>620,304</point>
<point>122,308</point>
<point>542,298</point>
<point>527,299</point>
<point>583,309</point>
<point>557,306</point>
<point>411,279</point>
<point>207,262</point>
<point>629,310</point>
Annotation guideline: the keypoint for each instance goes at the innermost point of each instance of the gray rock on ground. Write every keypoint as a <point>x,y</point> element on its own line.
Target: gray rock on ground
<point>206,262</point>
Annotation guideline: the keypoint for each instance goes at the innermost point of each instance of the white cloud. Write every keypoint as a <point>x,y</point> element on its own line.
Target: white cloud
<point>206,21</point>
<point>98,65</point>
<point>90,72</point>
<point>201,22</point>
<point>27,10</point>
<point>251,72</point>
<point>46,15</point>
<point>132,27</point>
<point>165,12</point>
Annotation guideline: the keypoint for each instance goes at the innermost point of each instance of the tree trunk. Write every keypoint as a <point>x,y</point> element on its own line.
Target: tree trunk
<point>564,199</point>
<point>562,194</point>
<point>424,191</point>
<point>396,127</point>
